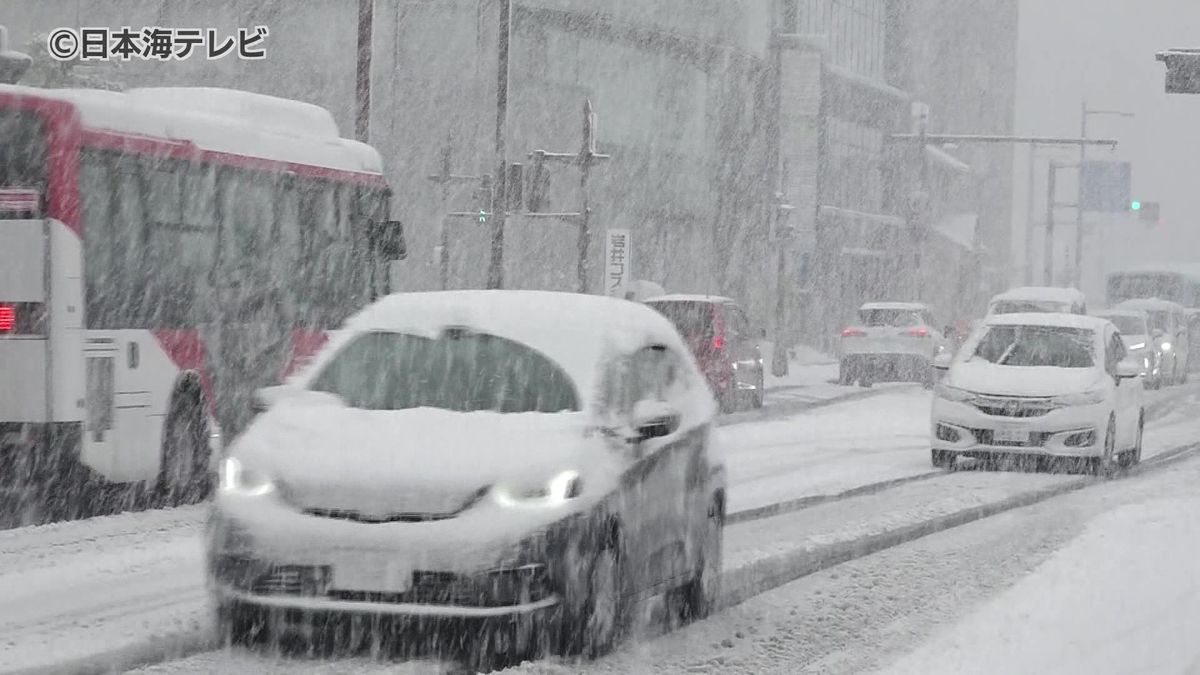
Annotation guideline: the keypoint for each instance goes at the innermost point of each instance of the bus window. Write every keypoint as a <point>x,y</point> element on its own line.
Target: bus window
<point>100,253</point>
<point>22,150</point>
<point>286,252</point>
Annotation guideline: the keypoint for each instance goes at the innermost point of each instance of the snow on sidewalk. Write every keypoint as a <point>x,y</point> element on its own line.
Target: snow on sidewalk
<point>1124,597</point>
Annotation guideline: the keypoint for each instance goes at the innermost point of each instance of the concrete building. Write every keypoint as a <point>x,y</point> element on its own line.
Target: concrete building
<point>714,111</point>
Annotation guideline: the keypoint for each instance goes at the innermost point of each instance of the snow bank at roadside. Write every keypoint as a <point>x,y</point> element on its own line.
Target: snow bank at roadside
<point>1122,598</point>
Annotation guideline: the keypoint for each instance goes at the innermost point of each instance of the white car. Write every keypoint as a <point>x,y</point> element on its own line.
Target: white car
<point>1040,385</point>
<point>1038,299</point>
<point>1134,326</point>
<point>891,341</point>
<point>515,467</point>
<point>1170,330</point>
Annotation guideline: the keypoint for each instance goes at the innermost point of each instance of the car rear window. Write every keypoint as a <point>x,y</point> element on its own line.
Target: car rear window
<point>691,319</point>
<point>458,370</point>
<point>1028,307</point>
<point>1036,346</point>
<point>898,318</point>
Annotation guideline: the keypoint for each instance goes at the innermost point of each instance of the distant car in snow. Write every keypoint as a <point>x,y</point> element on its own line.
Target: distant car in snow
<point>516,465</point>
<point>1027,299</point>
<point>891,341</point>
<point>1143,347</point>
<point>1040,385</point>
<point>1170,328</point>
<point>720,337</point>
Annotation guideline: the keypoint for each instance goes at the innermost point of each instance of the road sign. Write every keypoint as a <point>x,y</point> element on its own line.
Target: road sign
<point>1106,186</point>
<point>618,263</point>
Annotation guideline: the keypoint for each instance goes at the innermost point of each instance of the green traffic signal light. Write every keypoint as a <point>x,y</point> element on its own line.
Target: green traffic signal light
<point>1136,205</point>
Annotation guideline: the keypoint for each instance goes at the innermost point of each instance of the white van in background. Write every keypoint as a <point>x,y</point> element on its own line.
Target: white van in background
<point>1038,299</point>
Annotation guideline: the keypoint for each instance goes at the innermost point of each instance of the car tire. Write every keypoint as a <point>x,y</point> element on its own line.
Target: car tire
<point>1134,454</point>
<point>942,459</point>
<point>760,393</point>
<point>698,597</point>
<point>184,446</point>
<point>845,373</point>
<point>1104,466</point>
<point>237,624</point>
<point>593,612</point>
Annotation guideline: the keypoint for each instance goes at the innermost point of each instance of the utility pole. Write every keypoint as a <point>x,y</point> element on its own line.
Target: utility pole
<point>362,118</point>
<point>1029,218</point>
<point>1048,255</point>
<point>496,261</point>
<point>1077,277</point>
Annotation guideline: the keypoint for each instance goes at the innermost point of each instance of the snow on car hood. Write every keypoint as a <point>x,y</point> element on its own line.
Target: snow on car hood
<point>430,461</point>
<point>988,378</point>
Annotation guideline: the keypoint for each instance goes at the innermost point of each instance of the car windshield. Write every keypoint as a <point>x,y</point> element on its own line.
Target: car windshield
<point>897,318</point>
<point>691,319</point>
<point>1128,325</point>
<point>1036,346</point>
<point>1027,306</point>
<point>459,371</point>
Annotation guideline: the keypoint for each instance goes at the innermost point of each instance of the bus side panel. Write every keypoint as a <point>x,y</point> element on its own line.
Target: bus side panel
<point>23,395</point>
<point>67,374</point>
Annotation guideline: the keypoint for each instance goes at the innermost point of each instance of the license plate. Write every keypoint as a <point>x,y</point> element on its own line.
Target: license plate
<point>372,574</point>
<point>1010,436</point>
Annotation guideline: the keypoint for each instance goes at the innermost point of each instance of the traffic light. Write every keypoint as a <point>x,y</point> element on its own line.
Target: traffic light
<point>1183,70</point>
<point>1147,212</point>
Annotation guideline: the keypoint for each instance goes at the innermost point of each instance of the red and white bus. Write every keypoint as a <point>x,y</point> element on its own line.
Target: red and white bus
<point>163,252</point>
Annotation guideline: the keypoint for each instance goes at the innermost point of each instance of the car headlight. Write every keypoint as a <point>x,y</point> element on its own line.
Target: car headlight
<point>1166,346</point>
<point>562,487</point>
<point>1083,398</point>
<point>235,478</point>
<point>949,393</point>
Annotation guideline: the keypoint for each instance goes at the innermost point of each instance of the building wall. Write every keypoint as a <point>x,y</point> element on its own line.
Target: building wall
<point>961,59</point>
<point>676,85</point>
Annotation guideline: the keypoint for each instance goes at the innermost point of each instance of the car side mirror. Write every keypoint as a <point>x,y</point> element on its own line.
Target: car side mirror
<point>654,419</point>
<point>1127,369</point>
<point>388,238</point>
<point>263,399</point>
<point>943,360</point>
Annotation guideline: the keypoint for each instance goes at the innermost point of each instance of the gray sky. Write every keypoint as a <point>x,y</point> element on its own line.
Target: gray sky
<point>1104,50</point>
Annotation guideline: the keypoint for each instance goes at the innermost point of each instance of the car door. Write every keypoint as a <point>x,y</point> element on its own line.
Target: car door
<point>1182,339</point>
<point>744,350</point>
<point>657,503</point>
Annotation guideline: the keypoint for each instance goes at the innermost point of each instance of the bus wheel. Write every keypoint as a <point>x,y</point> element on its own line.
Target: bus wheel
<point>182,450</point>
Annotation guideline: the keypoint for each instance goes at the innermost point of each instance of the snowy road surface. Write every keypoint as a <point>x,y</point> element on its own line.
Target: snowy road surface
<point>118,580</point>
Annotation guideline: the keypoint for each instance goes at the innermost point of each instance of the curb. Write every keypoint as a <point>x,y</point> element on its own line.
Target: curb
<point>761,576</point>
<point>784,409</point>
<point>778,508</point>
<point>160,649</point>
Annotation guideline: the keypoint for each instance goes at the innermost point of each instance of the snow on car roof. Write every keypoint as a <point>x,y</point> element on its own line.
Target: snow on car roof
<point>914,306</point>
<point>1054,320</point>
<point>1104,313</point>
<point>1051,293</point>
<point>688,297</point>
<point>1156,304</point>
<point>219,120</point>
<point>574,330</point>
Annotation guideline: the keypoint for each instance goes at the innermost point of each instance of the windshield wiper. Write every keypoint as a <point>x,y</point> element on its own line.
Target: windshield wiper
<point>1007,354</point>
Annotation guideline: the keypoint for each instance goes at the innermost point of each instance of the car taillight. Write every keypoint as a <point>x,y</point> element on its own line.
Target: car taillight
<point>853,332</point>
<point>918,332</point>
<point>22,318</point>
<point>718,343</point>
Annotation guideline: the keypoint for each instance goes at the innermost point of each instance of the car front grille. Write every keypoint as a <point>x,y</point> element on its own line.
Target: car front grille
<point>985,437</point>
<point>360,517</point>
<point>292,580</point>
<point>1013,407</point>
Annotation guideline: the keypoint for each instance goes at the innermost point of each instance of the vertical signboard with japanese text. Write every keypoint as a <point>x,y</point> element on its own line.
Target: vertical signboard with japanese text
<point>618,258</point>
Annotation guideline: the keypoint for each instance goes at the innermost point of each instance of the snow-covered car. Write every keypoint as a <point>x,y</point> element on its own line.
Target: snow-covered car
<point>1170,329</point>
<point>891,341</point>
<point>516,465</point>
<point>1030,299</point>
<point>1143,348</point>
<point>1041,385</point>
